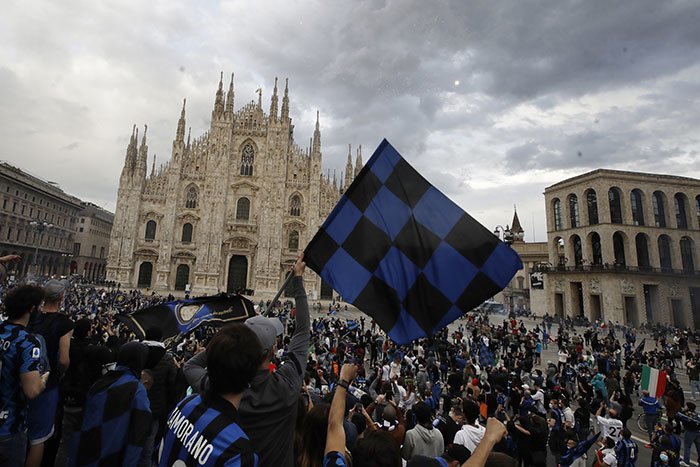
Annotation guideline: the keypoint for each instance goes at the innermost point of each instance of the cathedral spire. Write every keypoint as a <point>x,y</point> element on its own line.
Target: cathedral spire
<point>189,133</point>
<point>153,168</point>
<point>143,139</point>
<point>180,135</point>
<point>219,101</point>
<point>130,159</point>
<point>348,168</point>
<point>358,160</point>
<point>229,97</point>
<point>142,161</point>
<point>516,228</point>
<point>515,225</point>
<point>273,103</point>
<point>317,136</point>
<point>285,102</point>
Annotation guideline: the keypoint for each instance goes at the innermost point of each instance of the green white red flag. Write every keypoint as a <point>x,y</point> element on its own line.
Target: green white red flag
<point>653,381</point>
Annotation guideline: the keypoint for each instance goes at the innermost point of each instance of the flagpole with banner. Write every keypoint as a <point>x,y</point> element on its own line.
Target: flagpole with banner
<point>653,381</point>
<point>286,282</point>
<point>405,254</point>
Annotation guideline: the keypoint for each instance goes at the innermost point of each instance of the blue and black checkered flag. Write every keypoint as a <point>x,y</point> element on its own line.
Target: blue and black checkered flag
<point>403,253</point>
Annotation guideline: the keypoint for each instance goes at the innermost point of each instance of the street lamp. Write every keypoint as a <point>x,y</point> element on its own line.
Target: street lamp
<point>504,234</point>
<point>40,228</point>
<point>65,257</point>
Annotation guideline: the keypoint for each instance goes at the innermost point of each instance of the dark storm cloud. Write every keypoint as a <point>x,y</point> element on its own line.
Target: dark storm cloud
<point>481,96</point>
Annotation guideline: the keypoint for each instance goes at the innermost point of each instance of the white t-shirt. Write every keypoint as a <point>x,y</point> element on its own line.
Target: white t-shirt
<point>470,436</point>
<point>611,427</point>
<point>569,416</point>
<point>563,356</point>
<point>610,459</point>
<point>395,370</point>
<point>385,373</point>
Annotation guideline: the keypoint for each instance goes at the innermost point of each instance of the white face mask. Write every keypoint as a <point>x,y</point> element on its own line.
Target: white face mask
<point>663,457</point>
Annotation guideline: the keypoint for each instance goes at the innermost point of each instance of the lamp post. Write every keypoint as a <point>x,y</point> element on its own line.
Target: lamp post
<point>39,227</point>
<point>504,234</point>
<point>65,257</point>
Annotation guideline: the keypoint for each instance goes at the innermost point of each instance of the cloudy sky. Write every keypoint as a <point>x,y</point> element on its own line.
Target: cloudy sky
<point>491,100</point>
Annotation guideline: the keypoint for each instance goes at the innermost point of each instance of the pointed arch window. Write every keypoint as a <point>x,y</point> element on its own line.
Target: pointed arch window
<point>573,211</point>
<point>191,198</point>
<point>295,206</point>
<point>557,214</point>
<point>243,209</point>
<point>293,243</point>
<point>247,160</point>
<point>151,230</point>
<point>187,233</point>
<point>637,207</point>
<point>592,202</point>
<point>657,202</point>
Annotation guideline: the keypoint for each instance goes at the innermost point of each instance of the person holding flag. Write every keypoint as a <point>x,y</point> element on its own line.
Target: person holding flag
<point>652,409</point>
<point>276,393</point>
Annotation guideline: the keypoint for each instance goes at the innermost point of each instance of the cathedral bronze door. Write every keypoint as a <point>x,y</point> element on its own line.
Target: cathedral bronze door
<point>145,274</point>
<point>326,290</point>
<point>237,274</point>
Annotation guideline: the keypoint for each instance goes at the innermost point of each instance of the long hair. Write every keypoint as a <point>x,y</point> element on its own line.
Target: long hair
<point>313,437</point>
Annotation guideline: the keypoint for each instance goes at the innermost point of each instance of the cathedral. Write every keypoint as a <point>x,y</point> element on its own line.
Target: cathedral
<point>230,210</point>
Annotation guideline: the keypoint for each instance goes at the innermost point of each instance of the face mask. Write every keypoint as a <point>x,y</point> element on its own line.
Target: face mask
<point>663,457</point>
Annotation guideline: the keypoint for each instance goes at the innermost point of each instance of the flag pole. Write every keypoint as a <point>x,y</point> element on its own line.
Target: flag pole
<point>279,292</point>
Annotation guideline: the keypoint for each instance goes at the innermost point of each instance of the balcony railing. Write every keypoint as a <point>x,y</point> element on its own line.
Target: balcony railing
<point>619,268</point>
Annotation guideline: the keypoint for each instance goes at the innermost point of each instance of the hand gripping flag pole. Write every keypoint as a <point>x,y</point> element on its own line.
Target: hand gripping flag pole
<point>405,254</point>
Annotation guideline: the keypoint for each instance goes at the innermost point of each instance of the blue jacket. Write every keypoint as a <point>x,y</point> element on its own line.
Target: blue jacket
<point>650,405</point>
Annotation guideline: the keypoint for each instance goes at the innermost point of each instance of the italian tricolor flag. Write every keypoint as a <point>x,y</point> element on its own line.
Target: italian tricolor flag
<point>653,381</point>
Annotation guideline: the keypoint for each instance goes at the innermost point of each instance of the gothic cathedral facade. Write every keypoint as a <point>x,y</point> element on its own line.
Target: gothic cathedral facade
<point>230,210</point>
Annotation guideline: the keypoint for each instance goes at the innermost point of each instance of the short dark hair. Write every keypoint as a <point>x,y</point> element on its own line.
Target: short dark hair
<point>423,413</point>
<point>471,411</point>
<point>376,449</point>
<point>233,358</point>
<point>21,300</point>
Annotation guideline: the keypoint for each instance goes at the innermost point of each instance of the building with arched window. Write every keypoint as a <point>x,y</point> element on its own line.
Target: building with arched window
<point>632,259</point>
<point>26,198</point>
<point>524,293</point>
<point>230,210</point>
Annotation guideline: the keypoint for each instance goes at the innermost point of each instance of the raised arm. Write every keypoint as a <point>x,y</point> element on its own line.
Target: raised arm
<point>301,339</point>
<point>335,438</point>
<point>495,431</point>
<point>195,370</point>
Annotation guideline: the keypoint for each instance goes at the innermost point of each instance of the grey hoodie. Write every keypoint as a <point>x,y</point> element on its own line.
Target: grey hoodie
<point>268,410</point>
<point>422,441</point>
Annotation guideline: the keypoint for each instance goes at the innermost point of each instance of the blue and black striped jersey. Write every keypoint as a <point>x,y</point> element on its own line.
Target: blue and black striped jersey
<point>204,430</point>
<point>20,352</point>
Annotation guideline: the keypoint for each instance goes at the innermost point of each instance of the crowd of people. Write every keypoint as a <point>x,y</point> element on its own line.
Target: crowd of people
<point>78,389</point>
